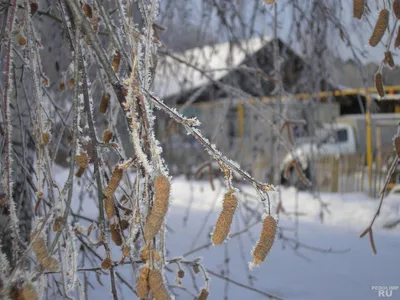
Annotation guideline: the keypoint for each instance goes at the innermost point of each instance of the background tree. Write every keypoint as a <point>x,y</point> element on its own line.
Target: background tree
<point>77,87</point>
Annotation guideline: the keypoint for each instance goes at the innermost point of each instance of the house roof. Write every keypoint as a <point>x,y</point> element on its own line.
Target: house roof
<point>175,76</point>
<point>227,64</point>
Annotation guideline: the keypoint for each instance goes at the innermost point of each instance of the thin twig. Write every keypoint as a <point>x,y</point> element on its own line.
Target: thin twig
<point>268,295</point>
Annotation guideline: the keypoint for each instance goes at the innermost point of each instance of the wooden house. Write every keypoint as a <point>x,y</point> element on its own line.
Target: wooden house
<point>230,88</point>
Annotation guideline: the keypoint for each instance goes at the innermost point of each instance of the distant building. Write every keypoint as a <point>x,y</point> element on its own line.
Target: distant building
<point>241,123</point>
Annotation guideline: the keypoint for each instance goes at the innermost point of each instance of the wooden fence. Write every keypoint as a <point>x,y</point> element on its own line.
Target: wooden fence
<point>348,173</point>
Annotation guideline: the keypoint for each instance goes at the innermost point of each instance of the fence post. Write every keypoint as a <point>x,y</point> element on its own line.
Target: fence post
<point>335,174</point>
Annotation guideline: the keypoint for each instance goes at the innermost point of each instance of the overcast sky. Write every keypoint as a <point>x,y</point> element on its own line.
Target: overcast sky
<point>359,30</point>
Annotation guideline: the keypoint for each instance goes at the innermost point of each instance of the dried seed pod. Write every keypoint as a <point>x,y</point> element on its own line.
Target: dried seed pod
<point>107,136</point>
<point>358,8</point>
<point>396,8</point>
<point>225,218</point>
<point>46,138</point>
<point>90,228</point>
<point>34,7</point>
<point>389,58</point>
<point>157,286</point>
<point>397,40</point>
<point>380,27</point>
<point>379,84</point>
<point>124,224</point>
<point>159,209</point>
<point>181,273</point>
<point>22,41</point>
<point>95,23</point>
<point>29,292</point>
<point>126,251</point>
<point>105,100</point>
<point>109,207</point>
<point>115,234</point>
<point>42,254</point>
<point>114,181</point>
<point>266,240</point>
<point>203,295</point>
<point>82,160</point>
<point>62,87</point>
<point>71,83</point>
<point>87,10</point>
<point>106,263</point>
<point>116,61</point>
<point>397,146</point>
<point>58,224</point>
<point>79,173</point>
<point>142,287</point>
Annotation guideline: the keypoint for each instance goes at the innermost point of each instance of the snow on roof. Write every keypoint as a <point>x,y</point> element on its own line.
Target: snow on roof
<point>217,60</point>
<point>393,97</point>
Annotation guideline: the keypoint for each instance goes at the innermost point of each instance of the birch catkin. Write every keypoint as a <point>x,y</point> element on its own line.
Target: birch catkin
<point>114,181</point>
<point>396,8</point>
<point>87,11</point>
<point>106,263</point>
<point>389,59</point>
<point>142,287</point>
<point>42,253</point>
<point>358,8</point>
<point>397,40</point>
<point>266,240</point>
<point>109,207</point>
<point>224,221</point>
<point>160,207</point>
<point>157,286</point>
<point>203,295</point>
<point>110,190</point>
<point>116,60</point>
<point>379,84</point>
<point>380,27</point>
<point>82,160</point>
<point>29,292</point>
<point>115,234</point>
<point>105,100</point>
<point>107,136</point>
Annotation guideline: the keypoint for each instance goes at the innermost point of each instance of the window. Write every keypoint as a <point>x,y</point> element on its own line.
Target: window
<point>232,122</point>
<point>342,135</point>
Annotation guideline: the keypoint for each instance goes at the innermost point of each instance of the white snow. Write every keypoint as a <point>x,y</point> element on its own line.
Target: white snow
<point>286,273</point>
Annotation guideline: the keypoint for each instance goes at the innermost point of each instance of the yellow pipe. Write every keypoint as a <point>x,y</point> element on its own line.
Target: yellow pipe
<point>240,113</point>
<point>369,141</point>
<point>348,92</point>
<point>336,93</point>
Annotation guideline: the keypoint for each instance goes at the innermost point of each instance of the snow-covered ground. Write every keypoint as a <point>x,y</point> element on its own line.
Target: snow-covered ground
<point>287,273</point>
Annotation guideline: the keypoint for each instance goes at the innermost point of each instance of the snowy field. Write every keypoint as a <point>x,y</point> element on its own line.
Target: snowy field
<point>309,272</point>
